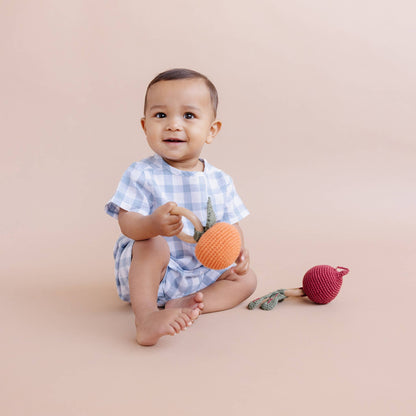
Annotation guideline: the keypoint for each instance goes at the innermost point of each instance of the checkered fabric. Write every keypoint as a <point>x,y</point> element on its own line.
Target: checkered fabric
<point>152,182</point>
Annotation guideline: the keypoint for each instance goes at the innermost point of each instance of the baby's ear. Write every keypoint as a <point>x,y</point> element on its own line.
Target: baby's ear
<point>213,131</point>
<point>143,124</point>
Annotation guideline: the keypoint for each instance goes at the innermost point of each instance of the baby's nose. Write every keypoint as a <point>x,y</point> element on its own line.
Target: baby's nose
<point>174,123</point>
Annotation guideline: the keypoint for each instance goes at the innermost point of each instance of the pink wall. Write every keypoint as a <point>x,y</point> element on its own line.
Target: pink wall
<point>318,105</point>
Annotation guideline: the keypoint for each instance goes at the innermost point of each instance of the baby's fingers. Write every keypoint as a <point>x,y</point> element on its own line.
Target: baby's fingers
<point>243,263</point>
<point>174,229</point>
<point>173,219</point>
<point>241,268</point>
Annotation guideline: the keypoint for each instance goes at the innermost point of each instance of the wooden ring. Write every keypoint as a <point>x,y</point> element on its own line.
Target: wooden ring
<point>191,217</point>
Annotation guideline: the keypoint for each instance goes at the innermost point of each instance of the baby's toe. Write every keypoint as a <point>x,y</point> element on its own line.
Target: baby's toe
<point>193,314</point>
<point>182,321</point>
<point>186,319</point>
<point>176,327</point>
<point>198,297</point>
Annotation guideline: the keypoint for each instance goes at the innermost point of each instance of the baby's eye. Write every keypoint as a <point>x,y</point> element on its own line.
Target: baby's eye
<point>160,115</point>
<point>188,115</point>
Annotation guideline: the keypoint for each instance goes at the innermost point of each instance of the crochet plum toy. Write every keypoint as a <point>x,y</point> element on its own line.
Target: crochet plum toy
<point>321,285</point>
<point>217,244</point>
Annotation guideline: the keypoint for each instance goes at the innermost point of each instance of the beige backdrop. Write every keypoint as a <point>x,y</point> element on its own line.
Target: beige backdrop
<point>318,103</point>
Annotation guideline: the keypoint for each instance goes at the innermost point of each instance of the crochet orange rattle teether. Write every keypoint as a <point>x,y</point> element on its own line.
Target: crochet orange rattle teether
<point>217,244</point>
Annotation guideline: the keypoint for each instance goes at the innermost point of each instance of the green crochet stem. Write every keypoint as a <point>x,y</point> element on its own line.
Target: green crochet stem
<point>269,301</point>
<point>211,220</point>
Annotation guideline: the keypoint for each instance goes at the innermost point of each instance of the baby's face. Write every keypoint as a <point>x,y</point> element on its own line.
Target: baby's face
<point>179,120</point>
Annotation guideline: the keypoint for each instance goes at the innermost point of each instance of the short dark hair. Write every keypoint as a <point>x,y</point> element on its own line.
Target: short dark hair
<point>183,73</point>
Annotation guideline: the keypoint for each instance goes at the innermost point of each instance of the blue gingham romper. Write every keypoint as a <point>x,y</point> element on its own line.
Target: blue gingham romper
<point>152,182</point>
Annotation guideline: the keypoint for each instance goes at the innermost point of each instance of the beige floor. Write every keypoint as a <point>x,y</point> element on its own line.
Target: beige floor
<point>317,101</point>
<point>68,347</point>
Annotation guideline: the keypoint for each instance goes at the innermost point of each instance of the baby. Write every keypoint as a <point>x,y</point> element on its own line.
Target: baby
<point>156,271</point>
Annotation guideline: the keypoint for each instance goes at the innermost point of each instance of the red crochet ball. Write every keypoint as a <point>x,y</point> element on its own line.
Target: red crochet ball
<point>321,284</point>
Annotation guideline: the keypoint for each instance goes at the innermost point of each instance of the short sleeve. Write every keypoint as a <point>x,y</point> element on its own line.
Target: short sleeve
<point>132,193</point>
<point>235,210</point>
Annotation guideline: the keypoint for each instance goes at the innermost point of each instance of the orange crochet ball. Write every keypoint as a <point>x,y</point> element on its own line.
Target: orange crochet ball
<point>219,247</point>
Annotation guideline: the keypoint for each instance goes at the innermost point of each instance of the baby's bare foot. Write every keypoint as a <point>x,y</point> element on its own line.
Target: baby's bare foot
<point>194,301</point>
<point>156,324</point>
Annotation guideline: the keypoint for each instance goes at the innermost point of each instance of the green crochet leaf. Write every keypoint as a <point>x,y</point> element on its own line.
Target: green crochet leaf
<point>269,301</point>
<point>256,302</point>
<point>198,235</point>
<point>211,220</point>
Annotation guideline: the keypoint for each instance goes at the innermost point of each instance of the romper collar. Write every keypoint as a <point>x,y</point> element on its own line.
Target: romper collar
<point>175,171</point>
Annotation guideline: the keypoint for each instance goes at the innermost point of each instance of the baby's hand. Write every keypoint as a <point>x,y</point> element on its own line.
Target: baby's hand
<point>164,222</point>
<point>242,263</point>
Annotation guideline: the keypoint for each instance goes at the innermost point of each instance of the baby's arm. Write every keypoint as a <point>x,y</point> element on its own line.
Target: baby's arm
<point>142,227</point>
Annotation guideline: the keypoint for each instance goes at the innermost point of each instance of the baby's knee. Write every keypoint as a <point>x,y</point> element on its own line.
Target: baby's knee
<point>154,249</point>
<point>251,281</point>
<point>247,281</point>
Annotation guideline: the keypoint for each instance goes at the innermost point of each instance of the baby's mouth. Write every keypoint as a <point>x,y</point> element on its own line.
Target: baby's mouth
<point>173,140</point>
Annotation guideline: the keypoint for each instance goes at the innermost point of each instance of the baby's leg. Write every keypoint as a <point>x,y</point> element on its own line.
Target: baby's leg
<point>149,261</point>
<point>228,291</point>
<point>194,301</point>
